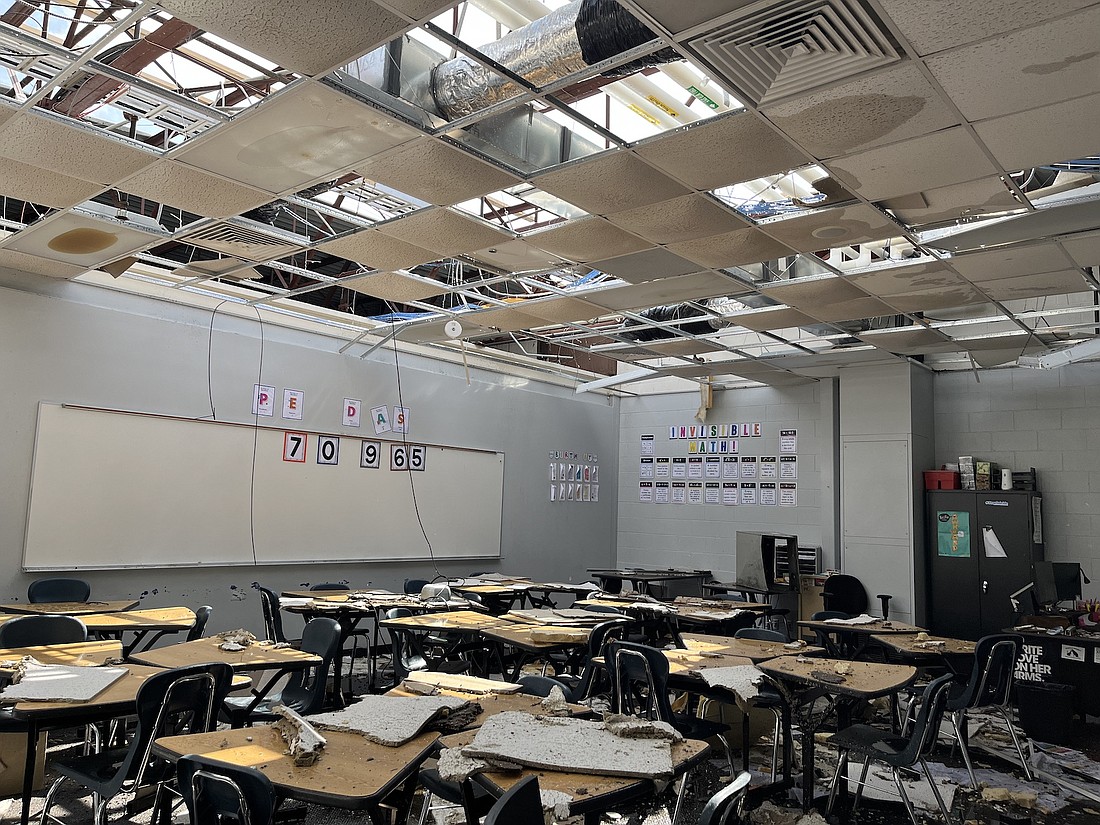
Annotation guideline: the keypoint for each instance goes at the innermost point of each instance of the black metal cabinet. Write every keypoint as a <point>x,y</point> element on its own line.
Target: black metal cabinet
<point>982,547</point>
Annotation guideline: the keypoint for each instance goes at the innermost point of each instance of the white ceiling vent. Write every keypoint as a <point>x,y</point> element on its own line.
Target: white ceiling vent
<point>781,48</point>
<point>246,239</point>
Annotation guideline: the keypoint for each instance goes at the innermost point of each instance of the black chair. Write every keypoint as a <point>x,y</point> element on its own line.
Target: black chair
<point>413,587</point>
<point>535,685</point>
<point>173,702</point>
<point>845,594</point>
<point>43,591</point>
<point>989,687</point>
<point>408,653</point>
<point>218,792</point>
<point>28,631</point>
<point>359,636</point>
<point>273,619</point>
<point>583,686</point>
<point>767,697</point>
<point>330,586</point>
<point>727,802</point>
<point>202,616</point>
<point>824,638</point>
<point>305,690</point>
<point>519,805</point>
<point>892,750</point>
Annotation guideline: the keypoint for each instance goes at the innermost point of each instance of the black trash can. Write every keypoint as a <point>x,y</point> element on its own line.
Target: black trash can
<point>1046,711</point>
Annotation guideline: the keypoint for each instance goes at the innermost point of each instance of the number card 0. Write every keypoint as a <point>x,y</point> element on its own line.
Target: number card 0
<point>328,450</point>
<point>294,447</point>
<point>369,457</point>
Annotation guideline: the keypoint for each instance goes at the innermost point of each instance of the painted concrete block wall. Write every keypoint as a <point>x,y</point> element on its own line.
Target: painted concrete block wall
<point>1046,419</point>
<point>702,535</point>
<point>78,343</point>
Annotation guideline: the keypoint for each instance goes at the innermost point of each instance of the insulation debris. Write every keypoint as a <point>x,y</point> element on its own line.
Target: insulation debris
<point>232,640</point>
<point>455,766</point>
<point>742,680</point>
<point>631,727</point>
<point>18,668</point>
<point>554,703</point>
<point>556,802</point>
<point>771,814</point>
<point>304,743</point>
<point>389,720</point>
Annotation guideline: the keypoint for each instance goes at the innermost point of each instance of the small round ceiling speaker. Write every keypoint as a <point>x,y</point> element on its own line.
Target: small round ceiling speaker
<point>453,328</point>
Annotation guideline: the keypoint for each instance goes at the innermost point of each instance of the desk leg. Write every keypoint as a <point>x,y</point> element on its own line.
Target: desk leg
<point>807,770</point>
<point>28,771</point>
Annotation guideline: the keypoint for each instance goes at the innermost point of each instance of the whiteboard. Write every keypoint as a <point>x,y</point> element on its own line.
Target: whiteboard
<point>116,489</point>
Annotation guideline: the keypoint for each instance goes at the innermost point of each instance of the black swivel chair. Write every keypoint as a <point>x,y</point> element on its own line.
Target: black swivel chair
<point>28,631</point>
<point>43,591</point>
<point>844,594</point>
<point>218,792</point>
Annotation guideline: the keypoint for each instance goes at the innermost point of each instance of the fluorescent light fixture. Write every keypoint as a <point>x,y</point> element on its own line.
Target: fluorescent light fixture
<point>1059,358</point>
<point>615,380</point>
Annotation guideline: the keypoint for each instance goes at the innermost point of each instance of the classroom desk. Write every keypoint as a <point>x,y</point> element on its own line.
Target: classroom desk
<point>592,795</point>
<point>753,649</point>
<point>73,653</point>
<point>459,627</point>
<point>852,639</point>
<point>749,590</point>
<point>535,642</point>
<point>116,701</point>
<point>797,682</point>
<point>69,608</point>
<point>492,703</point>
<point>353,773</point>
<point>159,621</point>
<point>1062,659</point>
<point>642,578</point>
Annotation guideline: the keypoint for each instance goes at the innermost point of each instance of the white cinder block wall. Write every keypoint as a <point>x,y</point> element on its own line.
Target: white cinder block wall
<point>1046,419</point>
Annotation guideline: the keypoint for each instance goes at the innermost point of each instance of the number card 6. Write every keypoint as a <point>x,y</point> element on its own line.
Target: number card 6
<point>399,457</point>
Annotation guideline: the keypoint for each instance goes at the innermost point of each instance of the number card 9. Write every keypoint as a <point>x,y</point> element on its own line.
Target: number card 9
<point>370,455</point>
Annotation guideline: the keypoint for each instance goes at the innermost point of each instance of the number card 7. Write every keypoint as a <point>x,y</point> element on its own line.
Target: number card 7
<point>294,447</point>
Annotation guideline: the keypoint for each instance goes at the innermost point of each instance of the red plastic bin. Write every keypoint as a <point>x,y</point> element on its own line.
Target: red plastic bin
<point>941,480</point>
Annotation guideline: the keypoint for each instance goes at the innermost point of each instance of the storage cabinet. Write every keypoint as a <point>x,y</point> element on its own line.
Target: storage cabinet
<point>981,548</point>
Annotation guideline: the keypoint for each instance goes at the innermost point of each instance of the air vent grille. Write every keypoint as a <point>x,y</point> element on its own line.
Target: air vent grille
<point>774,50</point>
<point>246,239</point>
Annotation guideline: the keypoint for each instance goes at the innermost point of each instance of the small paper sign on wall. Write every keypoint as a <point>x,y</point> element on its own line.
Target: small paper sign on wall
<point>400,420</point>
<point>263,400</point>
<point>380,417</point>
<point>294,447</point>
<point>293,402</point>
<point>353,409</point>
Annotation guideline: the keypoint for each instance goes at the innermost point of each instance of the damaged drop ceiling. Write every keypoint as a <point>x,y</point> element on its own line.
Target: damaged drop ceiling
<point>739,193</point>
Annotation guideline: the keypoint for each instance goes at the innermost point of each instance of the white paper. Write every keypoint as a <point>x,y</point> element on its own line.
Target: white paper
<point>647,444</point>
<point>400,419</point>
<point>380,416</point>
<point>293,402</point>
<point>993,547</point>
<point>353,409</point>
<point>788,441</point>
<point>263,400</point>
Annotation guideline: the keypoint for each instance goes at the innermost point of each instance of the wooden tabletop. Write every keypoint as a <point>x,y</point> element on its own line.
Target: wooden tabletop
<point>879,626</point>
<point>646,575</point>
<point>154,618</point>
<point>864,680</point>
<point>117,698</point>
<point>69,608</point>
<point>341,595</point>
<point>456,621</point>
<point>352,772</point>
<point>253,657</point>
<point>911,645</point>
<point>75,653</point>
<point>459,682</point>
<point>754,649</point>
<point>538,638</point>
<point>682,662</point>
<point>494,703</point>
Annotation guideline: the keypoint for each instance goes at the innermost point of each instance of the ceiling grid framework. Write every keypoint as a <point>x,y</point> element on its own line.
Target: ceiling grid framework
<point>785,181</point>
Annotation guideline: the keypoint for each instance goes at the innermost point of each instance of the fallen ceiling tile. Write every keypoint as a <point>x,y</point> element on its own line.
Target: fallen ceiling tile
<point>599,186</point>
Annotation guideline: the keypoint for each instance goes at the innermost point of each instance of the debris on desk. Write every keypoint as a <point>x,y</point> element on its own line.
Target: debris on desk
<point>61,683</point>
<point>631,727</point>
<point>771,814</point>
<point>556,802</point>
<point>741,680</point>
<point>555,704</point>
<point>233,640</point>
<point>455,766</point>
<point>829,677</point>
<point>304,743</point>
<point>18,668</point>
<point>389,720</point>
<point>843,669</point>
<point>797,644</point>
<point>419,688</point>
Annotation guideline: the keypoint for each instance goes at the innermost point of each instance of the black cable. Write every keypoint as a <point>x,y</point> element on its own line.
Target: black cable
<point>209,362</point>
<point>405,443</point>
<point>255,441</point>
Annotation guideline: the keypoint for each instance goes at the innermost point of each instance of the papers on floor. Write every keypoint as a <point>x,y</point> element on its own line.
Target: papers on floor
<point>389,720</point>
<point>61,683</point>
<point>862,618</point>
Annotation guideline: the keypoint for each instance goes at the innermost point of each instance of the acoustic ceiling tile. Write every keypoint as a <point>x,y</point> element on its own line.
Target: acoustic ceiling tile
<point>648,265</point>
<point>977,197</point>
<point>177,184</point>
<point>444,231</point>
<point>22,262</point>
<point>680,219</point>
<point>826,298</point>
<point>931,300</point>
<point>874,109</point>
<point>1049,134</point>
<point>433,332</point>
<point>915,165</point>
<point>957,22</point>
<point>373,249</point>
<point>1043,64</point>
<point>677,16</point>
<point>996,264</point>
<point>611,182</point>
<point>828,228</point>
<point>299,135</point>
<point>418,9</point>
<point>586,240</point>
<point>6,113</point>
<point>1085,250</point>
<point>306,36</point>
<point>898,280</point>
<point>684,346</point>
<point>1062,282</point>
<point>695,287</point>
<point>70,150</point>
<point>850,310</point>
<point>563,310</point>
<point>436,172</point>
<point>77,239</point>
<point>725,150</point>
<point>737,248</point>
<point>43,186</point>
<point>770,318</point>
<point>395,286</point>
<point>518,256</point>
<point>506,319</point>
<point>914,340</point>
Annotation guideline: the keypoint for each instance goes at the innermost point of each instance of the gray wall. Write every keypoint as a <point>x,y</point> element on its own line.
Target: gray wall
<point>1046,419</point>
<point>702,535</point>
<point>79,343</point>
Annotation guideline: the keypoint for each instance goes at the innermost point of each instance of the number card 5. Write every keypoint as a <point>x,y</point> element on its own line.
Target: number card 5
<point>408,457</point>
<point>294,447</point>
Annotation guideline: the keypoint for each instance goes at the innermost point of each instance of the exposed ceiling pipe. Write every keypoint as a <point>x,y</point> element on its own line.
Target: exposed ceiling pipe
<point>563,42</point>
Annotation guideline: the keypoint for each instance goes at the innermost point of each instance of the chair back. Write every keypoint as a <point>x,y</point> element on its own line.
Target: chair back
<point>405,656</point>
<point>597,639</point>
<point>761,634</point>
<point>216,791</point>
<point>535,685</point>
<point>273,620</point>
<point>42,591</point>
<point>519,805</point>
<point>331,586</point>
<point>990,682</point>
<point>305,689</point>
<point>927,724</point>
<point>27,631</point>
<point>202,616</point>
<point>173,702</point>
<point>612,584</point>
<point>844,593</point>
<point>726,802</point>
<point>639,680</point>
<point>823,615</point>
<point>414,586</point>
